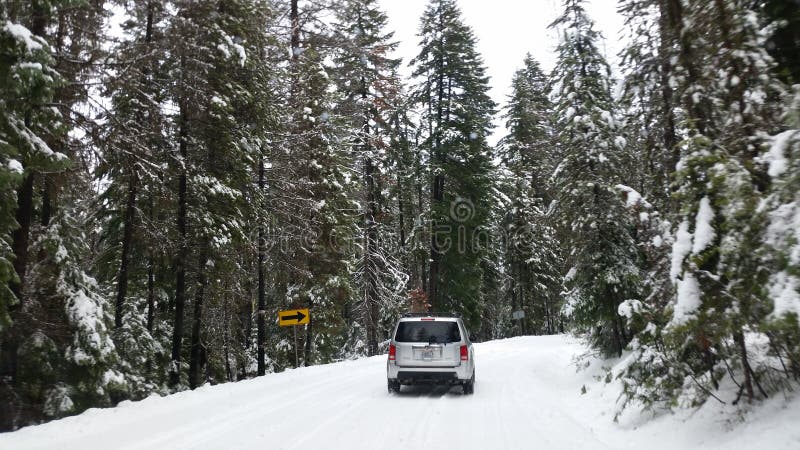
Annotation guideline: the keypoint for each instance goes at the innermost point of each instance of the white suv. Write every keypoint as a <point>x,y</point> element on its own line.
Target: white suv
<point>430,348</point>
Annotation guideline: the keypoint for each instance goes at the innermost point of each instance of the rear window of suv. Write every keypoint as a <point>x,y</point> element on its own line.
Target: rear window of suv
<point>428,332</point>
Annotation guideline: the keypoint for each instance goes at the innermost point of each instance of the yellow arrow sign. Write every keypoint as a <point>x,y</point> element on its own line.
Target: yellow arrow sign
<point>293,317</point>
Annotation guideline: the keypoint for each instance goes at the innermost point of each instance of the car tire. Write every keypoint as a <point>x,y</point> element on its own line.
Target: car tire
<point>394,386</point>
<point>469,386</point>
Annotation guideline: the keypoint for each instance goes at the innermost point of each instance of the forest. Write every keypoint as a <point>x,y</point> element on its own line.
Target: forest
<point>175,172</point>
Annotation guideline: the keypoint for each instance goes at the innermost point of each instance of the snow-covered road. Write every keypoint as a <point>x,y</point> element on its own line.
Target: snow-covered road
<point>527,396</point>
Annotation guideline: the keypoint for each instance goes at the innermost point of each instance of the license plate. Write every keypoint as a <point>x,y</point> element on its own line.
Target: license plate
<point>427,354</point>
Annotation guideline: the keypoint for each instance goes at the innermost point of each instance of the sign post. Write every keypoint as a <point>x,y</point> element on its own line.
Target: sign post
<point>293,318</point>
<point>519,315</point>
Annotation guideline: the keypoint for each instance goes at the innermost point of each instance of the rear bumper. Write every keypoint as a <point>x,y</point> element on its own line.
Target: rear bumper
<point>409,377</point>
<point>442,375</point>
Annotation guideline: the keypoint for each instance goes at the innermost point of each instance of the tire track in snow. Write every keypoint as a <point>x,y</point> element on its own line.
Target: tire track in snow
<point>198,434</point>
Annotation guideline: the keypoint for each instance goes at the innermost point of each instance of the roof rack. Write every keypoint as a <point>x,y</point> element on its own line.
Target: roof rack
<point>433,314</point>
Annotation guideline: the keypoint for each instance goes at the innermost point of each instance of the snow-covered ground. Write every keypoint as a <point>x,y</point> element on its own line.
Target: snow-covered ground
<point>527,395</point>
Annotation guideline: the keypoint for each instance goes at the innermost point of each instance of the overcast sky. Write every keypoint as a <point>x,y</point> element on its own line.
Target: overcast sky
<point>506,30</point>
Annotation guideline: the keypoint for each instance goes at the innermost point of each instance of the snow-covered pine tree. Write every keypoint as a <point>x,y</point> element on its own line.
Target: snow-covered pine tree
<point>134,148</point>
<point>531,264</point>
<point>781,252</point>
<point>281,225</point>
<point>27,83</point>
<point>63,315</point>
<point>456,110</point>
<point>221,128</point>
<point>265,83</point>
<point>652,129</point>
<point>528,148</point>
<point>130,208</point>
<point>407,165</point>
<point>327,222</point>
<point>314,211</point>
<point>648,102</point>
<point>369,88</point>
<point>653,126</point>
<point>729,94</point>
<point>251,88</point>
<point>594,226</point>
<point>730,252</point>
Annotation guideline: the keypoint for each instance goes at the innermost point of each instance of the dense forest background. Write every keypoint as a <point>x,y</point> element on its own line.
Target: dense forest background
<point>168,184</point>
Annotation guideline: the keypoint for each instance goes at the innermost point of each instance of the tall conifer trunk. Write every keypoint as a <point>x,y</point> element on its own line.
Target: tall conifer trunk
<point>261,315</point>
<point>183,245</point>
<point>667,28</point>
<point>370,265</point>
<point>21,235</point>
<point>197,352</point>
<point>437,188</point>
<point>151,293</point>
<point>127,238</point>
<point>130,206</point>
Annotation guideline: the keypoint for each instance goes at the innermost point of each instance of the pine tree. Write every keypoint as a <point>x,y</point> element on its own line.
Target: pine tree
<point>719,279</point>
<point>527,149</point>
<point>781,252</point>
<point>27,82</point>
<point>688,346</point>
<point>134,146</point>
<point>648,102</point>
<point>594,226</point>
<point>62,314</point>
<point>531,263</point>
<point>368,84</point>
<point>452,94</point>
<point>406,162</point>
<point>652,119</point>
<point>314,211</point>
<point>131,208</point>
<point>219,146</point>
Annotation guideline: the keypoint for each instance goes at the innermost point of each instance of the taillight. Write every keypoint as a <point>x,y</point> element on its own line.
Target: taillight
<point>464,353</point>
<point>392,352</point>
